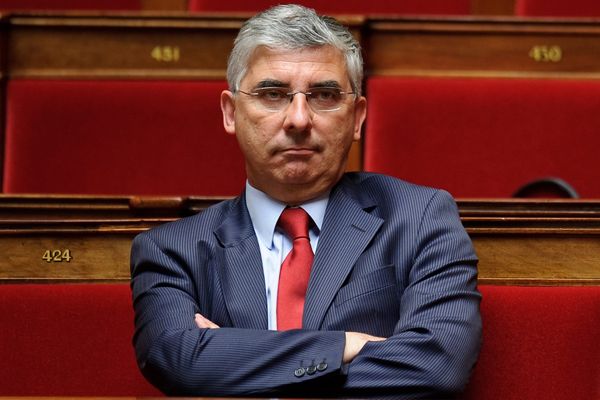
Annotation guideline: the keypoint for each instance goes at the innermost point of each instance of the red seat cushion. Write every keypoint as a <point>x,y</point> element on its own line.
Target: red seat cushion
<point>119,138</point>
<point>75,340</point>
<point>68,340</point>
<point>442,7</point>
<point>557,8</point>
<point>538,343</point>
<point>484,137</point>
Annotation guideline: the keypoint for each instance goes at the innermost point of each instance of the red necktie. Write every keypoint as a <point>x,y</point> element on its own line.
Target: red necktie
<point>295,270</point>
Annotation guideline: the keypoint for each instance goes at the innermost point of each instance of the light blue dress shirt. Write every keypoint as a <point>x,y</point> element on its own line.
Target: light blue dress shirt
<point>274,245</point>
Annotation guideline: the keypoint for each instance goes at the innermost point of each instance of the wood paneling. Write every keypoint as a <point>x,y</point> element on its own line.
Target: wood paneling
<point>196,46</point>
<point>492,7</point>
<point>535,241</point>
<point>37,231</point>
<point>120,46</point>
<point>475,47</point>
<point>518,241</point>
<point>167,5</point>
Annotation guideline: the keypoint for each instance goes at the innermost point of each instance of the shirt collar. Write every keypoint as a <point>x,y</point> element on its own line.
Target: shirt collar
<point>265,211</point>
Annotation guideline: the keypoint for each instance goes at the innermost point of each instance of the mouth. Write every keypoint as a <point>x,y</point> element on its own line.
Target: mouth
<point>298,151</point>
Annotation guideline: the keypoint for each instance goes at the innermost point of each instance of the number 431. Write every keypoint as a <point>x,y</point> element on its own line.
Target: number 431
<point>57,255</point>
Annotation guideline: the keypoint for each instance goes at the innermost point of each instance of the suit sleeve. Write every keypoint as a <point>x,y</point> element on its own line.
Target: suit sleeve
<point>437,337</point>
<point>180,359</point>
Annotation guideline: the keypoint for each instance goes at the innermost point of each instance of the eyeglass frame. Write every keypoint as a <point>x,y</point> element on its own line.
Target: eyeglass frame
<point>290,96</point>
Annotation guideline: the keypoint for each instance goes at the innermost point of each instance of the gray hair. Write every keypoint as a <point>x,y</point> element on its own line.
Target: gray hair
<point>292,27</point>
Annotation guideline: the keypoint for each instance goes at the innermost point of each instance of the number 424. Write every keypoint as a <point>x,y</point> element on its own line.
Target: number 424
<point>57,255</point>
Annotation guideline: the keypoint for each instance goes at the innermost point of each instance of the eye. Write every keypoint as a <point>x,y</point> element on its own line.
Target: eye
<point>326,95</point>
<point>272,94</point>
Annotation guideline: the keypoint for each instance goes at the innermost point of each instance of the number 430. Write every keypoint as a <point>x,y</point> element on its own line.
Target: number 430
<point>57,255</point>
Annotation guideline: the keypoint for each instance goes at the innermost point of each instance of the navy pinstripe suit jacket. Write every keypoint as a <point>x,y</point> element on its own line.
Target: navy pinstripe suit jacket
<point>393,260</point>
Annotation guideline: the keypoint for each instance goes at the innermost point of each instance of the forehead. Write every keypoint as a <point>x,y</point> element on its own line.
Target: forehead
<point>296,68</point>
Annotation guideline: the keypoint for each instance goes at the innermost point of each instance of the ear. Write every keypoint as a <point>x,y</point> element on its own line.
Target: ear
<point>360,113</point>
<point>228,109</point>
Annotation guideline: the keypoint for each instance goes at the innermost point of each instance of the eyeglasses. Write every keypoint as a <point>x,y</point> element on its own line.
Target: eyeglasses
<point>277,99</point>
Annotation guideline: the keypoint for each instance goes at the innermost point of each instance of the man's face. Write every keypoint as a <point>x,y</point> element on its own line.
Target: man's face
<point>297,153</point>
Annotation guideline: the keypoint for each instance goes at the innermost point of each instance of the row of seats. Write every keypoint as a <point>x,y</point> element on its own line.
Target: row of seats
<point>75,340</point>
<point>473,137</point>
<point>485,137</point>
<point>532,8</point>
<point>119,137</point>
<point>564,8</point>
<point>112,5</point>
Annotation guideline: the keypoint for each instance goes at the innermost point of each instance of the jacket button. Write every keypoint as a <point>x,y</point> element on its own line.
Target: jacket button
<point>322,366</point>
<point>311,370</point>
<point>299,372</point>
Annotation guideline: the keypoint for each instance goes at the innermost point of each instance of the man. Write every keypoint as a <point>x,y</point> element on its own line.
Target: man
<point>378,293</point>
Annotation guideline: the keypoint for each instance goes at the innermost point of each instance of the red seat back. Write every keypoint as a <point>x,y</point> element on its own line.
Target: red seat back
<point>119,138</point>
<point>538,343</point>
<point>557,8</point>
<point>68,340</point>
<point>484,137</point>
<point>70,4</point>
<point>441,7</point>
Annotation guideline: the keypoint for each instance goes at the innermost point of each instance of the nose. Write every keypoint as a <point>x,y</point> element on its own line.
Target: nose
<point>298,115</point>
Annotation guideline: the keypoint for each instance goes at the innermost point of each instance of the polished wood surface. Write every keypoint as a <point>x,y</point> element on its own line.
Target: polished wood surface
<point>124,46</point>
<point>78,238</point>
<point>80,45</point>
<point>528,242</point>
<point>492,7</point>
<point>535,241</point>
<point>483,47</point>
<point>196,46</point>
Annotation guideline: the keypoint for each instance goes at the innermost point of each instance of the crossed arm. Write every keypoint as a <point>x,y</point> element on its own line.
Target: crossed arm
<point>355,341</point>
<point>433,346</point>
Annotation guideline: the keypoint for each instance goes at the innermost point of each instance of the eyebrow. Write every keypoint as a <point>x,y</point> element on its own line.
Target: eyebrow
<point>279,84</point>
<point>327,84</point>
<point>270,83</point>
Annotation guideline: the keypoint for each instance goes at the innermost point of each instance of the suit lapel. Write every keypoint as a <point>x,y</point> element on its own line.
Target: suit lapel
<point>241,272</point>
<point>347,230</point>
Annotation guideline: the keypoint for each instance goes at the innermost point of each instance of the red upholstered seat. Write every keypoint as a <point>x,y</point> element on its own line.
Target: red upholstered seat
<point>557,8</point>
<point>538,343</point>
<point>75,340</point>
<point>68,340</point>
<point>119,137</point>
<point>440,7</point>
<point>484,137</point>
<point>70,4</point>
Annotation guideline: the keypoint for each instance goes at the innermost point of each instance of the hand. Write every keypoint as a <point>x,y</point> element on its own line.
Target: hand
<point>203,322</point>
<point>355,341</point>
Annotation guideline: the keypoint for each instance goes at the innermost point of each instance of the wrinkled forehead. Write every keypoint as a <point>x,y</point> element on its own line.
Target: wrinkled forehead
<point>307,65</point>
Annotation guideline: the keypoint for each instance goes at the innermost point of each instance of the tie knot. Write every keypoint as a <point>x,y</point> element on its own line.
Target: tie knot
<point>294,222</point>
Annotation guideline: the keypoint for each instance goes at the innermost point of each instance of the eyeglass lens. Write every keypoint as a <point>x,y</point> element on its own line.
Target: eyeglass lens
<point>319,99</point>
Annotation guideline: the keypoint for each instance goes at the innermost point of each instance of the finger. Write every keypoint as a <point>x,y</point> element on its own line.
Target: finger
<point>199,321</point>
<point>203,322</point>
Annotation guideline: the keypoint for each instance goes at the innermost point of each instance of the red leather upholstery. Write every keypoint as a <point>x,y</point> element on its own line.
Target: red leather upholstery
<point>70,4</point>
<point>538,343</point>
<point>119,137</point>
<point>557,8</point>
<point>68,340</point>
<point>441,7</point>
<point>484,137</point>
<point>75,340</point>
